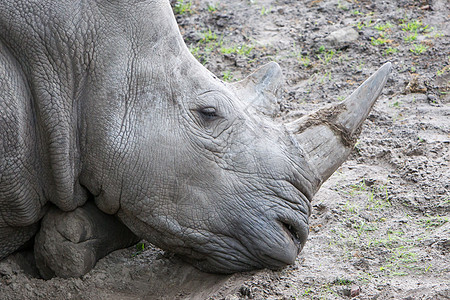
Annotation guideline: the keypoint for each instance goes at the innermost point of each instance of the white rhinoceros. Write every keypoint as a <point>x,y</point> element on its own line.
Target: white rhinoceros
<point>107,120</point>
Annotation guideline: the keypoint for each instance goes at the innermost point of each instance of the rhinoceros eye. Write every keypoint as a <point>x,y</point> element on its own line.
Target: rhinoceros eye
<point>208,112</point>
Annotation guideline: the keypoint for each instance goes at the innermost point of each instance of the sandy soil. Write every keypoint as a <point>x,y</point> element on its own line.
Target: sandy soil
<point>380,226</point>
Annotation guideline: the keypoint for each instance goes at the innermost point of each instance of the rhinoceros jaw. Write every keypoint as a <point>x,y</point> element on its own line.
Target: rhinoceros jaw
<point>328,135</point>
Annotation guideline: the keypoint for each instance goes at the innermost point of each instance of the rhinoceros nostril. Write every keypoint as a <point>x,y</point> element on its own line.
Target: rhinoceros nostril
<point>293,233</point>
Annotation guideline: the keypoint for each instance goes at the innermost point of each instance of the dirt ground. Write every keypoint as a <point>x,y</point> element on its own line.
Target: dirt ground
<point>380,225</point>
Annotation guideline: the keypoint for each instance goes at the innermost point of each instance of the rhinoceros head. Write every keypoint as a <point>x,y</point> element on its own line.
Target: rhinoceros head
<point>194,165</point>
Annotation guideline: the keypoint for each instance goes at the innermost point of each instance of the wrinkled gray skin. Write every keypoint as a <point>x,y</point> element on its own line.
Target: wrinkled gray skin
<point>102,100</point>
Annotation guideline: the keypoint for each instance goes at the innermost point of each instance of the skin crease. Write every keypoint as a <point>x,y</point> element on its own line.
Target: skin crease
<point>121,110</point>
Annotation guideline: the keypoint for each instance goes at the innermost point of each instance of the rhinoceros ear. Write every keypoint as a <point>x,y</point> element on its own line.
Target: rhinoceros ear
<point>328,135</point>
<point>261,88</point>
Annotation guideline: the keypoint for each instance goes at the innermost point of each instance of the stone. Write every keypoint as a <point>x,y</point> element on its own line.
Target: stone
<point>342,36</point>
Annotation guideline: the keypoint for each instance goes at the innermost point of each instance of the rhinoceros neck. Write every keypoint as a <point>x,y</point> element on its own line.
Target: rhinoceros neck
<point>42,38</point>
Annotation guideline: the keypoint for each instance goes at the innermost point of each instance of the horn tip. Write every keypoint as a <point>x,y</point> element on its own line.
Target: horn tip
<point>387,67</point>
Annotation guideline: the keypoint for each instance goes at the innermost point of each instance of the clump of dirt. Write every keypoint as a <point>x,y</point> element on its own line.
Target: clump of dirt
<point>380,225</point>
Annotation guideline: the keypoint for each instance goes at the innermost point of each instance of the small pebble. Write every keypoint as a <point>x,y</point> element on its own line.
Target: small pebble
<point>355,291</point>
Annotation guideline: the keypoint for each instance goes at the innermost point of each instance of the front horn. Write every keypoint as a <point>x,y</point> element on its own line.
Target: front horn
<point>328,135</point>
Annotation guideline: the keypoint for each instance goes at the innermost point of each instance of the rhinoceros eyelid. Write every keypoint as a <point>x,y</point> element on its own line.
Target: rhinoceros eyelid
<point>208,112</point>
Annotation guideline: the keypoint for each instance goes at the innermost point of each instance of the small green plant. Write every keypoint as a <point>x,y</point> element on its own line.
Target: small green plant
<point>402,259</point>
<point>379,41</point>
<point>418,49</point>
<point>243,50</point>
<point>321,49</point>
<point>227,50</point>
<point>194,51</point>
<point>181,8</point>
<point>227,76</point>
<point>140,247</point>
<point>390,50</point>
<point>212,7</point>
<point>326,56</point>
<point>364,227</point>
<point>326,76</point>
<point>378,198</point>
<point>307,291</point>
<point>438,34</point>
<point>356,12</point>
<point>431,222</point>
<point>413,26</point>
<point>208,36</point>
<point>202,58</point>
<point>304,60</point>
<point>361,25</point>
<point>265,11</point>
<point>378,195</point>
<point>411,37</point>
<point>413,69</point>
<point>383,27</point>
<point>359,187</point>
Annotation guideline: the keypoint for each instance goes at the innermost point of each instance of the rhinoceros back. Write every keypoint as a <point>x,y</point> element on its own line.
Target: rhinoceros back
<point>21,198</point>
